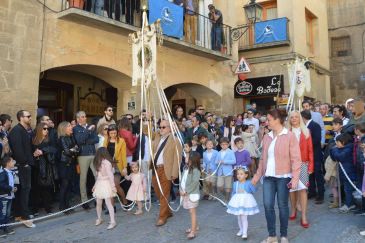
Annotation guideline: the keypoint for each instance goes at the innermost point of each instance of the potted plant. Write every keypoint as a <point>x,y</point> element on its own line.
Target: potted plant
<point>76,4</point>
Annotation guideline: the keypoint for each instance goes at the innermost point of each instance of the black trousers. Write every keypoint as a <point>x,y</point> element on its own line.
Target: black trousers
<point>25,179</point>
<point>65,190</point>
<point>40,195</point>
<point>316,180</point>
<point>112,6</point>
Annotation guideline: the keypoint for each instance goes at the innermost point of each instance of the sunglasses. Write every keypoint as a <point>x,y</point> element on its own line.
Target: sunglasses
<point>110,110</point>
<point>28,116</point>
<point>105,129</point>
<point>250,113</point>
<point>201,109</point>
<point>163,127</point>
<point>45,129</point>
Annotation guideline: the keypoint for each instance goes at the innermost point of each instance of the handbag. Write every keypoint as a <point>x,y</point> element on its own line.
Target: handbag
<point>194,197</point>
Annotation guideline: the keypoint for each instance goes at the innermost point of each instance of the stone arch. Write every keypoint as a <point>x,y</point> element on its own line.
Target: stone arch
<point>189,95</point>
<point>75,82</point>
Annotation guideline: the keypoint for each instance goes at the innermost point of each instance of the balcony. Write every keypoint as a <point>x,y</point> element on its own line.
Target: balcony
<point>263,34</point>
<point>122,19</point>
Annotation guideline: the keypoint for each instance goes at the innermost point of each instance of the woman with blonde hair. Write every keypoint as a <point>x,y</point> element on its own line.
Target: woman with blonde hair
<point>296,125</point>
<point>67,162</point>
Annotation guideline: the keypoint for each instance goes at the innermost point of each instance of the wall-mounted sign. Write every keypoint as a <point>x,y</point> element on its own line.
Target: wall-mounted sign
<point>92,104</point>
<point>263,86</point>
<point>243,67</point>
<point>131,105</point>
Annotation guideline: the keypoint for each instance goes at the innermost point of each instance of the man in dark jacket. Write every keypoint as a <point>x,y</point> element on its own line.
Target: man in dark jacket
<point>86,138</point>
<point>316,180</point>
<point>196,130</point>
<point>21,147</point>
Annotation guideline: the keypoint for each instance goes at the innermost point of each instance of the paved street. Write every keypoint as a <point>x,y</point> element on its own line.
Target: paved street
<point>215,226</point>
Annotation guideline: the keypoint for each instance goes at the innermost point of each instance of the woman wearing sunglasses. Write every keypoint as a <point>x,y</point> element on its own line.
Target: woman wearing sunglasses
<point>44,171</point>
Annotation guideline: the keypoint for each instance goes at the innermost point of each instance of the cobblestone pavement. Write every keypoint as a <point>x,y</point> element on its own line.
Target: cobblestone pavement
<point>215,226</point>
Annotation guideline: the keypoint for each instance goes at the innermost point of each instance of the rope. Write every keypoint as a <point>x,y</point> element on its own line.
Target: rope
<point>347,177</point>
<point>49,215</point>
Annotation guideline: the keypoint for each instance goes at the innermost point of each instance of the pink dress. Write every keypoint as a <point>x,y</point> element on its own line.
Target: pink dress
<point>104,185</point>
<point>136,191</point>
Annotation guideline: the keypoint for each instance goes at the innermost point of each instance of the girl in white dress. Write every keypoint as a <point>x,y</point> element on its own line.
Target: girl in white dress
<point>242,202</point>
<point>104,188</point>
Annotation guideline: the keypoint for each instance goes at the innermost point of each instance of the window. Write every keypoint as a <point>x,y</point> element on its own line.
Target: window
<point>341,46</point>
<point>311,21</point>
<point>270,10</point>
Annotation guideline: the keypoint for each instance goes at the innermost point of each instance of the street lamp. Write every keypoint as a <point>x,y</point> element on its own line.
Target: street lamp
<point>253,12</point>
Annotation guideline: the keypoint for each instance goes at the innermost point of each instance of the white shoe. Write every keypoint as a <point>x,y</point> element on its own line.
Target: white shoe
<point>244,237</point>
<point>362,233</point>
<point>239,233</point>
<point>344,209</point>
<point>284,240</point>
<point>352,207</point>
<point>270,240</point>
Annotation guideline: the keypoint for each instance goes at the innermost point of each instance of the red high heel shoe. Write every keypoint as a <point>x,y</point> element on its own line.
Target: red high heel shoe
<point>303,224</point>
<point>293,217</point>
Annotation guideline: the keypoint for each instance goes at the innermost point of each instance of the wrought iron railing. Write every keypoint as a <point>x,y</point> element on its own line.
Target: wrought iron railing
<point>204,33</point>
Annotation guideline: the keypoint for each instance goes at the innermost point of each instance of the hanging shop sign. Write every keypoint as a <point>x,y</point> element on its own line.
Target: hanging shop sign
<point>263,86</point>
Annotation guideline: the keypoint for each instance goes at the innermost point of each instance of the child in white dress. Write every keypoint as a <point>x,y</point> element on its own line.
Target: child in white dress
<point>242,202</point>
<point>104,188</point>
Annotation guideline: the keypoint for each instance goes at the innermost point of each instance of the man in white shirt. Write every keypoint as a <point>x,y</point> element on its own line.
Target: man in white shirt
<point>251,120</point>
<point>316,117</point>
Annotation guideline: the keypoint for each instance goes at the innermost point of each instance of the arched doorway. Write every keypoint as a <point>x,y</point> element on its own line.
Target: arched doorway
<point>189,95</point>
<point>65,90</point>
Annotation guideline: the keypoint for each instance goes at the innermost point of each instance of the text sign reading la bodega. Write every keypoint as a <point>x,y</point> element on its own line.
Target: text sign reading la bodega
<point>263,86</point>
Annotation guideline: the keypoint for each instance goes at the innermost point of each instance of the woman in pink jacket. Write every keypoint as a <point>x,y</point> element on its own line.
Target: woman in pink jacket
<point>280,168</point>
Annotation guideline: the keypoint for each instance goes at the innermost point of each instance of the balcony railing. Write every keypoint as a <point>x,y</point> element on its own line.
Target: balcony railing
<point>207,34</point>
<point>263,34</point>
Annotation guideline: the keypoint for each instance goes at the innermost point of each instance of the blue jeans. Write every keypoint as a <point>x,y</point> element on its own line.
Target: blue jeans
<point>349,199</point>
<point>276,187</point>
<point>97,6</point>
<point>5,210</point>
<point>216,38</point>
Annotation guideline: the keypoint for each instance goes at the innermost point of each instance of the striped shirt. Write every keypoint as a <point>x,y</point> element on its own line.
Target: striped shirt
<point>327,120</point>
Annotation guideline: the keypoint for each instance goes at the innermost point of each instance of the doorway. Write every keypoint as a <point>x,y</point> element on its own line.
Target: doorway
<point>56,100</point>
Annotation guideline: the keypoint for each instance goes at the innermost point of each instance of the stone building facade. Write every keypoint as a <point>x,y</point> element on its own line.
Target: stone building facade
<point>346,28</point>
<point>53,59</point>
<point>307,39</point>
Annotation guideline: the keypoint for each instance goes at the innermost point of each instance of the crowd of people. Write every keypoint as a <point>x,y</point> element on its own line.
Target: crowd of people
<point>130,12</point>
<point>294,155</point>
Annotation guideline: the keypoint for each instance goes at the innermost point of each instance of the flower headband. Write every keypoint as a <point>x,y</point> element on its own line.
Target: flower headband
<point>242,167</point>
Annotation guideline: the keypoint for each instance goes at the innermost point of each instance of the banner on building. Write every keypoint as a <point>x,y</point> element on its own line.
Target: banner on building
<point>171,16</point>
<point>271,31</point>
<point>263,86</point>
<point>150,51</point>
